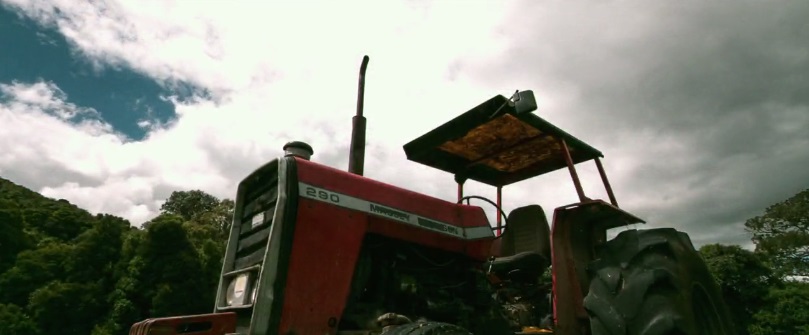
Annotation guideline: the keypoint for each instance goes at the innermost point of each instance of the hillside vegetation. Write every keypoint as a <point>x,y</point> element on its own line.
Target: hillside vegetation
<point>66,271</point>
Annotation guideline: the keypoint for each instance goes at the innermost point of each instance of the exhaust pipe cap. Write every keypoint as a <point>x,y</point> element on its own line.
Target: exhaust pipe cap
<point>299,149</point>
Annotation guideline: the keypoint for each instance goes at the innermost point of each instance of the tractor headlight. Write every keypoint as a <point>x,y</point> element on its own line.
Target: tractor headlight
<point>237,290</point>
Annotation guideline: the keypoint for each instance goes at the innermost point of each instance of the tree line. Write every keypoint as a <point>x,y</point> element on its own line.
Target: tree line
<point>66,271</point>
<point>767,289</point>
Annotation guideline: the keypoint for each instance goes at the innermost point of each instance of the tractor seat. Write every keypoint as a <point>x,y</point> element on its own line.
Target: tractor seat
<point>526,243</point>
<point>530,263</point>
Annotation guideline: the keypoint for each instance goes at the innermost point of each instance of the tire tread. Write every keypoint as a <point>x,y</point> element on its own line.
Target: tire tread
<point>638,282</point>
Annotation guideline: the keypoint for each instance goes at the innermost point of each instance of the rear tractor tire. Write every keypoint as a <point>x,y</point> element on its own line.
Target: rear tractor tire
<point>653,282</point>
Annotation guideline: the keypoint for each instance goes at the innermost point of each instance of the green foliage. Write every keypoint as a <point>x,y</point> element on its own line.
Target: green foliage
<point>13,238</point>
<point>64,224</point>
<point>220,217</point>
<point>189,204</point>
<point>201,208</point>
<point>743,277</point>
<point>107,328</point>
<point>65,271</point>
<point>66,308</point>
<point>33,269</point>
<point>172,270</point>
<point>788,312</point>
<point>97,250</point>
<point>782,233</point>
<point>14,321</point>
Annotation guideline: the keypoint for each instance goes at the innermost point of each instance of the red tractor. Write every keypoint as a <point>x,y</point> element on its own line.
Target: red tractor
<point>317,250</point>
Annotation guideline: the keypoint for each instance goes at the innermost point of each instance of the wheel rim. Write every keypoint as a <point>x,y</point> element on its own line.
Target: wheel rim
<point>706,317</point>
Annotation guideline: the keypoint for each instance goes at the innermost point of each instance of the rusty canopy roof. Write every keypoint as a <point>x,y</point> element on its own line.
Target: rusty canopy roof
<point>499,150</point>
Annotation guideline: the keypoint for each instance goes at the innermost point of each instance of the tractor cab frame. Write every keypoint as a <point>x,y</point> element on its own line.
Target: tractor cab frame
<point>501,142</point>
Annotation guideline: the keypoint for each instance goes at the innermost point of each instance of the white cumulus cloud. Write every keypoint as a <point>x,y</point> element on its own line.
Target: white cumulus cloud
<point>269,86</point>
<point>626,78</point>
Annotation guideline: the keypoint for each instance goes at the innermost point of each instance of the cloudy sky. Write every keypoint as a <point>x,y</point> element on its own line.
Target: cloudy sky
<point>702,109</point>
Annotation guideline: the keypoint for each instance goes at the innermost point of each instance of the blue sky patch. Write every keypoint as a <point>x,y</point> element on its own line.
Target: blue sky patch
<point>31,53</point>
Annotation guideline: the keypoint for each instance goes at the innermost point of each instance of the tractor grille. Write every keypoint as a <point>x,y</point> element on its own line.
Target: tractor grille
<point>256,221</point>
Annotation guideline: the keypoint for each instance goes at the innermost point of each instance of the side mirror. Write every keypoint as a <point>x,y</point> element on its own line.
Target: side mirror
<point>524,102</point>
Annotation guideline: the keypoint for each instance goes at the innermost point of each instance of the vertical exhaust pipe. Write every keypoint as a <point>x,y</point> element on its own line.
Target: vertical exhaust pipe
<point>356,155</point>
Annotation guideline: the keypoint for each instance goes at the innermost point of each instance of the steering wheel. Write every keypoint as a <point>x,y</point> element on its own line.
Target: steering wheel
<point>499,210</point>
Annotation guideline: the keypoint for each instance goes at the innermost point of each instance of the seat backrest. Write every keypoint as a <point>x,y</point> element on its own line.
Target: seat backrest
<point>527,230</point>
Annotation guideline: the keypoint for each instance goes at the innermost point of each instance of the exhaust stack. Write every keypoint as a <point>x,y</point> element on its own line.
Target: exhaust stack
<point>356,155</point>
